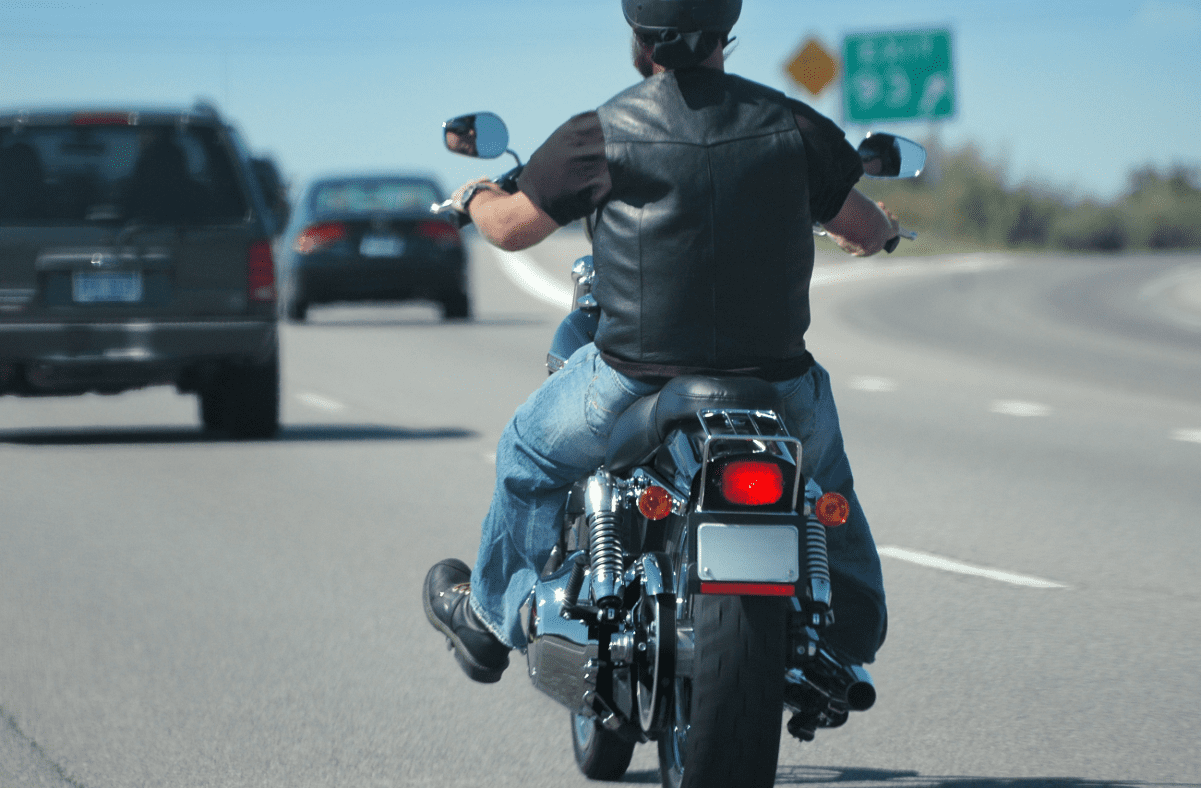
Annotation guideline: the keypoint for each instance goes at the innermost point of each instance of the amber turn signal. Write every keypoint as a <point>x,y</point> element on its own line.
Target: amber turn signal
<point>832,509</point>
<point>655,503</point>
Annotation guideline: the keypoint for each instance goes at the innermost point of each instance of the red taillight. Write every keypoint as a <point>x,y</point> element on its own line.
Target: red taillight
<point>319,236</point>
<point>832,510</point>
<point>441,233</point>
<point>100,119</point>
<point>260,272</point>
<point>752,483</point>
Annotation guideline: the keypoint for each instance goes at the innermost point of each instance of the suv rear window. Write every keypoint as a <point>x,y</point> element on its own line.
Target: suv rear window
<point>373,196</point>
<point>76,174</point>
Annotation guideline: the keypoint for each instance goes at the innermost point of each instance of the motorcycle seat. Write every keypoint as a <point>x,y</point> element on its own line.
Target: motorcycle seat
<point>645,424</point>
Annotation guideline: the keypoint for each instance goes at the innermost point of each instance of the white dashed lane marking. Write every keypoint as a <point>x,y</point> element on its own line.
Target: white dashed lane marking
<point>1188,436</point>
<point>1019,408</point>
<point>932,561</point>
<point>866,383</point>
<point>319,402</point>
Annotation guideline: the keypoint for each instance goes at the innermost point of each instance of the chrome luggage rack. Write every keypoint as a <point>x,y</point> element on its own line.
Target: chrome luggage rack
<point>729,431</point>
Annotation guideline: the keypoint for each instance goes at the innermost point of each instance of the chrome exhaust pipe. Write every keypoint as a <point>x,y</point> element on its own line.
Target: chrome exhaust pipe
<point>861,691</point>
<point>829,686</point>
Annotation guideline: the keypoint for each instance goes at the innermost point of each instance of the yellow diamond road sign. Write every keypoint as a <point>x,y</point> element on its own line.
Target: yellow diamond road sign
<point>813,68</point>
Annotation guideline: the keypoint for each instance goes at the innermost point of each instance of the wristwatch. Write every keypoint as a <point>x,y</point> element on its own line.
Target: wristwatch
<point>471,191</point>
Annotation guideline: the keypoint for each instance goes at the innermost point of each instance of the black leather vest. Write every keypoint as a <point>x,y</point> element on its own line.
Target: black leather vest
<point>704,251</point>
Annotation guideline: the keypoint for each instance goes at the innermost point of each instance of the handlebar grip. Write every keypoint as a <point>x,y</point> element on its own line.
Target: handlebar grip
<point>508,181</point>
<point>892,243</point>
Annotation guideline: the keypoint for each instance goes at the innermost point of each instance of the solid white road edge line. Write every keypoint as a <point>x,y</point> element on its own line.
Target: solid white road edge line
<point>947,565</point>
<point>530,277</point>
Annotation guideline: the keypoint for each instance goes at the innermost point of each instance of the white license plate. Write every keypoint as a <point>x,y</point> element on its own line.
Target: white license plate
<point>381,246</point>
<point>748,553</point>
<point>106,287</point>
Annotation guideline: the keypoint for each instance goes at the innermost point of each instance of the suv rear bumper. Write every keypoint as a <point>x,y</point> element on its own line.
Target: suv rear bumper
<point>76,357</point>
<point>135,341</point>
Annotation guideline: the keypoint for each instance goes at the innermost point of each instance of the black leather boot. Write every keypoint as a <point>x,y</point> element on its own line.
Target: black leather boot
<point>446,596</point>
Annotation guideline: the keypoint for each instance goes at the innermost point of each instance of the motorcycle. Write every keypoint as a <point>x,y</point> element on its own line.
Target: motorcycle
<point>686,599</point>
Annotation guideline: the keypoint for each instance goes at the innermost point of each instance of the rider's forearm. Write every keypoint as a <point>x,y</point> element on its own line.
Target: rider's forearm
<point>862,227</point>
<point>510,221</point>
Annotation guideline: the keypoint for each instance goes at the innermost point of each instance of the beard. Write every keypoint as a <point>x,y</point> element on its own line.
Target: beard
<point>642,57</point>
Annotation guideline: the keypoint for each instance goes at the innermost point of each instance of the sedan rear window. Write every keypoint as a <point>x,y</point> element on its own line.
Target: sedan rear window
<point>86,173</point>
<point>373,196</point>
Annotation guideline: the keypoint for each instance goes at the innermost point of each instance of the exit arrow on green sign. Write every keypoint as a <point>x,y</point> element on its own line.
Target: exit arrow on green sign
<point>903,75</point>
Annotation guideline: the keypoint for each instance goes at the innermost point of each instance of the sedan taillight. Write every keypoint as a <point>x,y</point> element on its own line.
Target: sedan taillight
<point>319,236</point>
<point>441,233</point>
<point>260,272</point>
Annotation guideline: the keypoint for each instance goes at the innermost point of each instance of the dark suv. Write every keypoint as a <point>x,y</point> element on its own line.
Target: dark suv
<point>135,250</point>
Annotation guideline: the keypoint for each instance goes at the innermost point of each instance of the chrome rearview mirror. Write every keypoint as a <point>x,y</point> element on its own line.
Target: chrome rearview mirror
<point>482,135</point>
<point>889,156</point>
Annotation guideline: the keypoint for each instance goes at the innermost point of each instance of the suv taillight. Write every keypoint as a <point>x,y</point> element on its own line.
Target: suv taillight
<point>260,272</point>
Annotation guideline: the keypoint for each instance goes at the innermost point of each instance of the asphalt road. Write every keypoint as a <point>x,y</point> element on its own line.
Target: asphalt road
<point>1026,435</point>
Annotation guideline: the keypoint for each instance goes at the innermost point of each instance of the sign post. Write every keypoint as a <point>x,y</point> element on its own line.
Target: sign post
<point>903,75</point>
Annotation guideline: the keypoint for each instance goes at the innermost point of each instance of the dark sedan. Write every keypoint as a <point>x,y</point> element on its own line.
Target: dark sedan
<point>372,238</point>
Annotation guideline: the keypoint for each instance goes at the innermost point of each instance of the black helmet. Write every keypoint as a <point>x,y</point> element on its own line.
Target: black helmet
<point>683,32</point>
<point>649,17</point>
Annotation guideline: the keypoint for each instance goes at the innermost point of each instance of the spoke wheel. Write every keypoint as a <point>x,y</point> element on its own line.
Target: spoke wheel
<point>656,623</point>
<point>599,752</point>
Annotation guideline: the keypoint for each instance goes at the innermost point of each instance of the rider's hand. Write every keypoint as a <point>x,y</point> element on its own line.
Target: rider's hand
<point>893,221</point>
<point>870,227</point>
<point>463,193</point>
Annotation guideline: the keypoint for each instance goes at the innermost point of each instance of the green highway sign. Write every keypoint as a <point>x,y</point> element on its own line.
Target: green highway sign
<point>902,75</point>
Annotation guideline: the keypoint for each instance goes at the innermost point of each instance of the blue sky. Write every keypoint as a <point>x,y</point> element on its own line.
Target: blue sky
<point>1066,93</point>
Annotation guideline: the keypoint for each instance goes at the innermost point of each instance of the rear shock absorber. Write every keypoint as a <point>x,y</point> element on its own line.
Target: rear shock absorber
<point>602,509</point>
<point>817,562</point>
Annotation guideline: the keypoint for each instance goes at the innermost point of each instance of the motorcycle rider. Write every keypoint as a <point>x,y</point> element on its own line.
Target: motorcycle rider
<point>459,135</point>
<point>705,187</point>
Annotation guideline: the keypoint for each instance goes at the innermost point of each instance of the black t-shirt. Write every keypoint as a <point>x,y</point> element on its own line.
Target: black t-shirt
<point>568,176</point>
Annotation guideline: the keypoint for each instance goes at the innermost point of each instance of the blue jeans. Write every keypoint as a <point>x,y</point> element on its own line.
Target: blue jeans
<point>559,435</point>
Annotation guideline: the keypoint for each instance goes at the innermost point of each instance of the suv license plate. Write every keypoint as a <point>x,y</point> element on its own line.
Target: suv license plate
<point>107,287</point>
<point>381,246</point>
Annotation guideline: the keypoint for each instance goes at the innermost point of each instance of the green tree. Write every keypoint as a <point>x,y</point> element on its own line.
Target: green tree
<point>964,198</point>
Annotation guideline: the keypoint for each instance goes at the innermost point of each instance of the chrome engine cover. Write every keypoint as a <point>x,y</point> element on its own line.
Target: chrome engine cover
<point>563,661</point>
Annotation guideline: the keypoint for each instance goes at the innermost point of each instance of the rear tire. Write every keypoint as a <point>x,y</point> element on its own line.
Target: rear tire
<point>296,310</point>
<point>725,721</point>
<point>599,752</point>
<point>456,306</point>
<point>243,400</point>
<point>212,409</point>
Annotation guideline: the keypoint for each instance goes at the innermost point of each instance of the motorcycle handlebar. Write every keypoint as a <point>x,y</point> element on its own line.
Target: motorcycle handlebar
<point>507,182</point>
